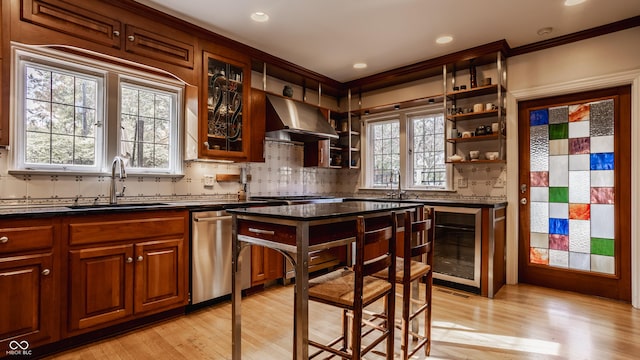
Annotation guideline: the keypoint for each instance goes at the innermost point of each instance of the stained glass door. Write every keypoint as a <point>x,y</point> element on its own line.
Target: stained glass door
<point>572,194</point>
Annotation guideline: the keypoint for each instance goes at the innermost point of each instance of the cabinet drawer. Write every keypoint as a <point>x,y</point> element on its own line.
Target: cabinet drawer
<point>125,229</point>
<point>154,46</point>
<point>70,19</point>
<point>273,232</point>
<point>25,238</point>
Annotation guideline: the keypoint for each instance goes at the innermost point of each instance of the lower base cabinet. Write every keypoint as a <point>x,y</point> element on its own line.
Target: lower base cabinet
<point>28,311</point>
<point>101,285</point>
<point>29,285</point>
<point>266,265</point>
<point>132,276</point>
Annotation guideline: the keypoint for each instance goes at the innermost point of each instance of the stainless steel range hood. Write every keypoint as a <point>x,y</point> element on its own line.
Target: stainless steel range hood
<point>292,120</point>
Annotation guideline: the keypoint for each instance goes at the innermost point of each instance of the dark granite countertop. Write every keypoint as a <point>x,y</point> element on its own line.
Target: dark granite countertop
<point>319,211</point>
<point>441,202</point>
<point>32,211</point>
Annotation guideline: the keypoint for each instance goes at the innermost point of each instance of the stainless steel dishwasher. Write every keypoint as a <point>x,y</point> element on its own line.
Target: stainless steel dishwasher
<point>211,256</point>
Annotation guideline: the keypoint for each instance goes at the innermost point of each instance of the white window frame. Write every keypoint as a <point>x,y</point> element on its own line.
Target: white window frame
<point>24,59</point>
<point>406,166</point>
<point>368,163</point>
<point>176,93</point>
<point>409,161</point>
<point>108,115</point>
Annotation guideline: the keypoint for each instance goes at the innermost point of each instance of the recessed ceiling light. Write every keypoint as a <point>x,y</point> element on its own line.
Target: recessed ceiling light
<point>360,65</point>
<point>573,2</point>
<point>444,39</point>
<point>259,16</point>
<point>545,31</point>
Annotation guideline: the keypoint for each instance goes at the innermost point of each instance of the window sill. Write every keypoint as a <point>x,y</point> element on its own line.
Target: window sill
<point>88,173</point>
<point>386,190</point>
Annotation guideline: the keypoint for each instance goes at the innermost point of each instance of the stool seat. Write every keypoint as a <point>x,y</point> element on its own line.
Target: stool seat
<point>418,269</point>
<point>338,287</point>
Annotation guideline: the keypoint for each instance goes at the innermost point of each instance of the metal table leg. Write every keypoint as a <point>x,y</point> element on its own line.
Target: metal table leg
<point>301,298</point>
<point>236,295</point>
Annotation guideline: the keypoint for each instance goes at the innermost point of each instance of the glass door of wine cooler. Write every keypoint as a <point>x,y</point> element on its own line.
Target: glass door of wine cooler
<point>456,256</point>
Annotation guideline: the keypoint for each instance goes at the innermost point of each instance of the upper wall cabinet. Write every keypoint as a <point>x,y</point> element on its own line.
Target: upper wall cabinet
<point>74,20</point>
<point>96,25</point>
<point>226,96</point>
<point>228,130</point>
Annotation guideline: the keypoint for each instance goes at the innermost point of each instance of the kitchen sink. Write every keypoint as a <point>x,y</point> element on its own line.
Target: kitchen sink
<point>107,206</point>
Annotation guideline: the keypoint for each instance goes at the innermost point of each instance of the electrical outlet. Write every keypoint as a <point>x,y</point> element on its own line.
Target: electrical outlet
<point>209,180</point>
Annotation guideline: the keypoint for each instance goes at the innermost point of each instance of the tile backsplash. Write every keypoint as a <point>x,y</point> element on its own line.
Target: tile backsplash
<point>282,173</point>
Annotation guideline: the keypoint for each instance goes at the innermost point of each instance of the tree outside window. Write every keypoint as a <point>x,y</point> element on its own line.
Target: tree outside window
<point>60,117</point>
<point>386,152</point>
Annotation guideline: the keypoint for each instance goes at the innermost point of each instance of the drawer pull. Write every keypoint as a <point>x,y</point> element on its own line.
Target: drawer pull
<point>131,37</point>
<point>129,260</point>
<point>260,231</point>
<point>116,33</point>
<point>46,272</point>
<point>140,258</point>
<point>4,240</point>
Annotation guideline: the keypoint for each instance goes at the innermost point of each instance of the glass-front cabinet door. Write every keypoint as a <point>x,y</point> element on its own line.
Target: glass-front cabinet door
<point>227,90</point>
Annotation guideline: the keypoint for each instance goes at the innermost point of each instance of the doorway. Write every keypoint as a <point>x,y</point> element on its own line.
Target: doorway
<point>574,185</point>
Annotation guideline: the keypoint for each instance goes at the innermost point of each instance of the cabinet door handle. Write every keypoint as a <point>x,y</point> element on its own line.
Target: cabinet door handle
<point>140,258</point>
<point>46,272</point>
<point>131,37</point>
<point>260,231</point>
<point>116,33</point>
<point>4,240</point>
<point>129,260</point>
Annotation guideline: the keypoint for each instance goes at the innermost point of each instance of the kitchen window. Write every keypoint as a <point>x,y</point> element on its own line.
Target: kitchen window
<point>74,115</point>
<point>407,147</point>
<point>385,151</point>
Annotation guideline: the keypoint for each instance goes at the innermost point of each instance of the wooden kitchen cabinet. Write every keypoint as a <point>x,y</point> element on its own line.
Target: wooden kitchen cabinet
<point>224,129</point>
<point>29,279</point>
<point>317,153</point>
<point>74,18</point>
<point>266,265</point>
<point>100,24</point>
<point>160,275</point>
<point>101,285</point>
<point>125,266</point>
<point>258,122</point>
<point>4,86</point>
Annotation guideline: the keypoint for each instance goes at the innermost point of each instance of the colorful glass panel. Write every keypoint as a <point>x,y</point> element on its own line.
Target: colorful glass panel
<point>572,187</point>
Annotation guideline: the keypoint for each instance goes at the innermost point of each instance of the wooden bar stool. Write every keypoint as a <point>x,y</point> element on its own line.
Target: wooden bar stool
<point>413,268</point>
<point>354,289</point>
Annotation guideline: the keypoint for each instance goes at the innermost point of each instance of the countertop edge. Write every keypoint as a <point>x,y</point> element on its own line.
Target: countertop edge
<point>63,210</point>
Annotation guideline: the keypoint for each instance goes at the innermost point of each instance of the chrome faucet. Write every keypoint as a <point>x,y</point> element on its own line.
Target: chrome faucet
<point>399,190</point>
<point>118,162</point>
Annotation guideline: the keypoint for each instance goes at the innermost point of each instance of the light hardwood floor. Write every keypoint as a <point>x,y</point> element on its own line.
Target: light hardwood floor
<point>522,322</point>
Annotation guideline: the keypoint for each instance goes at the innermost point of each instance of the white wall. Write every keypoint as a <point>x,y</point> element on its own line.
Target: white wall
<point>601,62</point>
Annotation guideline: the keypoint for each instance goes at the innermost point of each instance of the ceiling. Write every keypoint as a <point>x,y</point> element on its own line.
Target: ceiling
<point>329,36</point>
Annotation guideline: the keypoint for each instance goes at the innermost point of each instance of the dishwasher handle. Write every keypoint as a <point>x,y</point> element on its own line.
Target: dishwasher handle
<point>212,219</point>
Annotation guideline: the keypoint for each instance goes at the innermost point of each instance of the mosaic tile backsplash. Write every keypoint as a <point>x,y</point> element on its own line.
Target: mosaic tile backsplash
<point>572,187</point>
<point>282,173</point>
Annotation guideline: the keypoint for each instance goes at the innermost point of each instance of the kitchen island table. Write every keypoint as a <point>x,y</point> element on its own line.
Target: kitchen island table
<point>296,230</point>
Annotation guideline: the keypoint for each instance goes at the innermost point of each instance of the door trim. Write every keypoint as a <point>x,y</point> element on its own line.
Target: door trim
<point>615,79</point>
